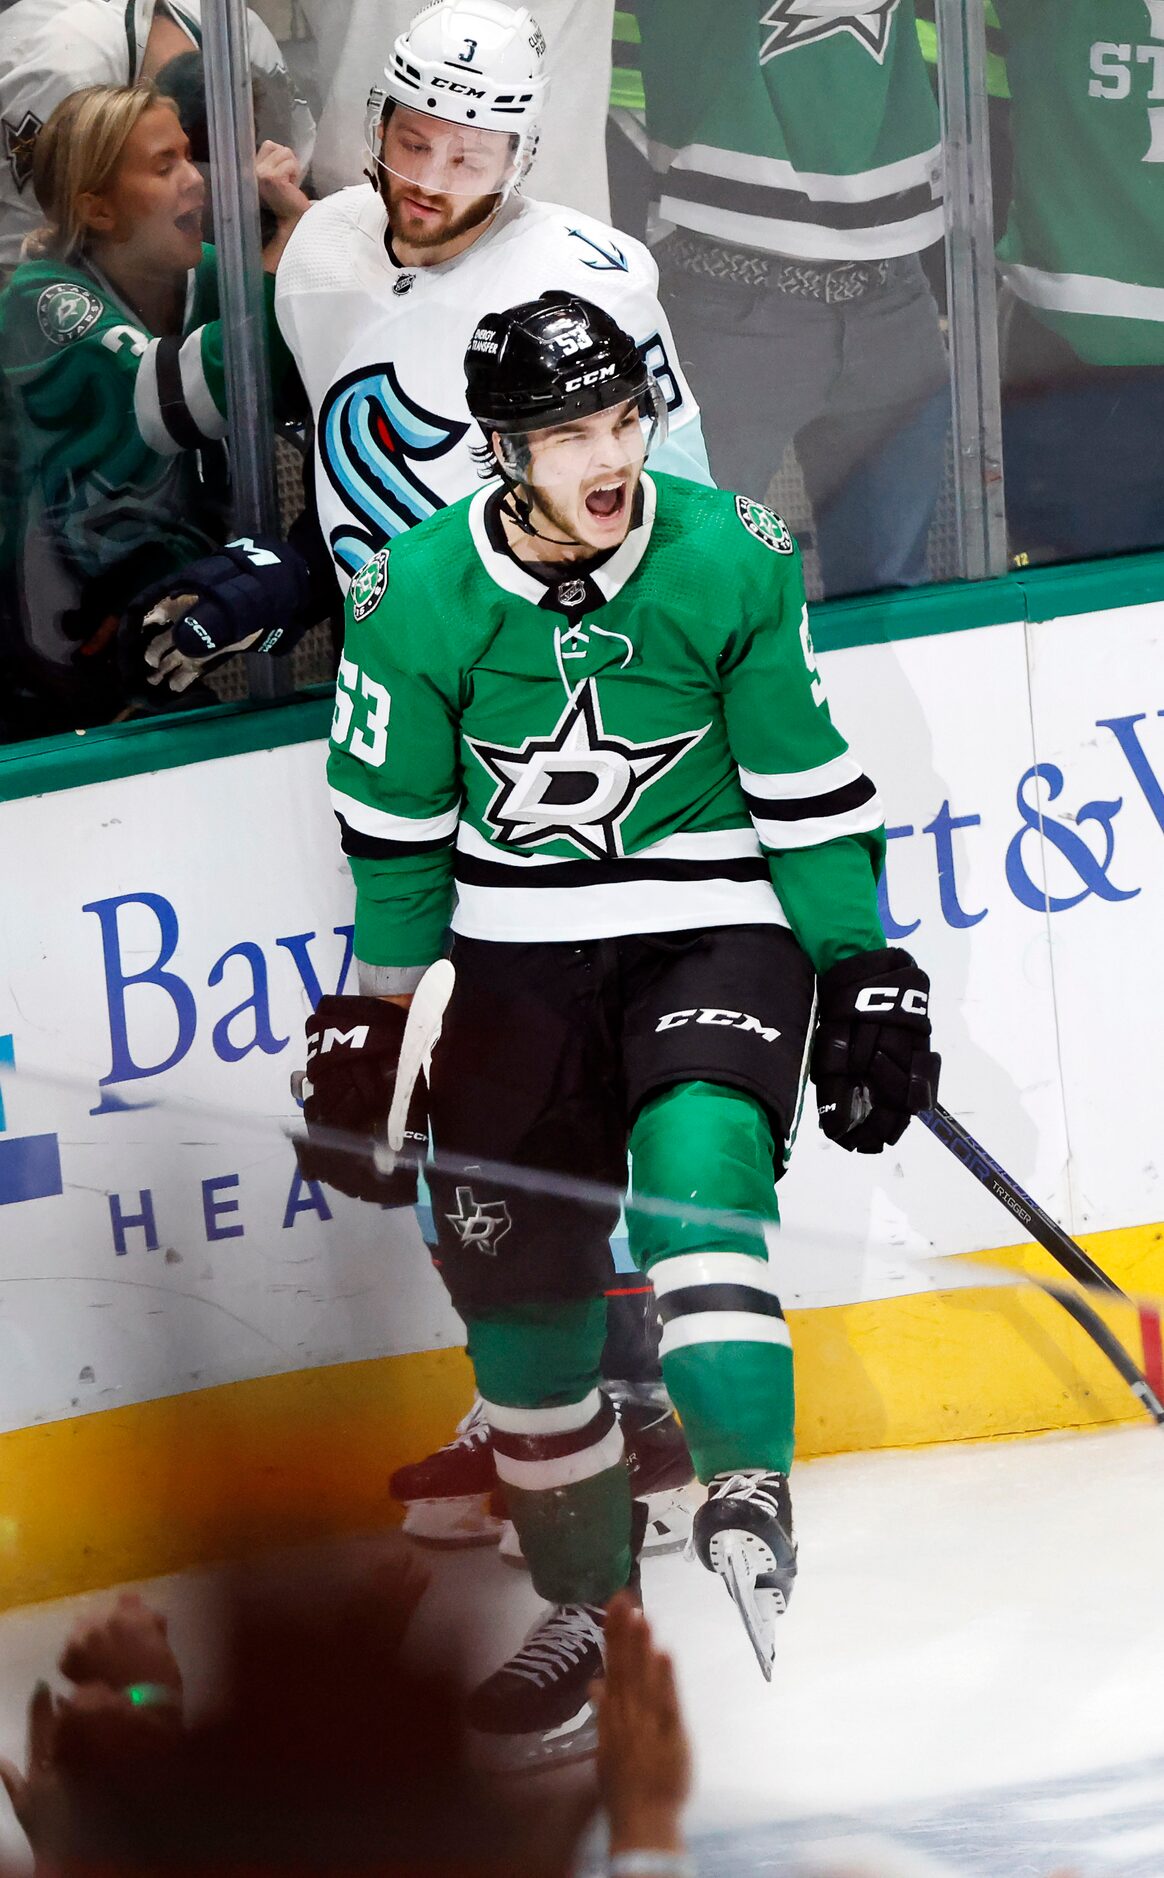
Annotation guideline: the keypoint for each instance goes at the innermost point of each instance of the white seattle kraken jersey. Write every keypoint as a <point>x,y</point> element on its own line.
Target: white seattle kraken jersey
<point>380,349</point>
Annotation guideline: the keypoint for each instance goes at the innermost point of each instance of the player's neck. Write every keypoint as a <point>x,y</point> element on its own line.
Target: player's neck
<point>547,545</point>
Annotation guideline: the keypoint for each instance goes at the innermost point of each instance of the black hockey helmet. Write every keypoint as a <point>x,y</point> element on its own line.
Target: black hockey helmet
<point>550,360</point>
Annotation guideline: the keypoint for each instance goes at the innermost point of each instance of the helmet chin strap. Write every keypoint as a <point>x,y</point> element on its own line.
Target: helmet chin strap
<point>520,510</point>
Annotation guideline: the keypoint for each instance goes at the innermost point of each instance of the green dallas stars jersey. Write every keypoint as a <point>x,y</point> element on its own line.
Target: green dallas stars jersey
<point>112,424</point>
<point>802,127</point>
<point>642,748</point>
<point>1084,245</point>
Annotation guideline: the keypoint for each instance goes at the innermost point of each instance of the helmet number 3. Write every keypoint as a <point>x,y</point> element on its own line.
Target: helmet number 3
<point>367,740</point>
<point>469,54</point>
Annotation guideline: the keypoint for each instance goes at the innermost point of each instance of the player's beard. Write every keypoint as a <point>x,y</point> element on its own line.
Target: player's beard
<point>477,210</point>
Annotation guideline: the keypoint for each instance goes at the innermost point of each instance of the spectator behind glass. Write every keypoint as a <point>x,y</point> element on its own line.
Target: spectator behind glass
<point>50,48</point>
<point>801,173</point>
<point>1082,259</point>
<point>111,353</point>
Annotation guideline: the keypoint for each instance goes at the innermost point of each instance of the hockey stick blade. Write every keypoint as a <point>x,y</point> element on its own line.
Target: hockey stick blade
<point>1051,1236</point>
<point>733,1567</point>
<point>426,1014</point>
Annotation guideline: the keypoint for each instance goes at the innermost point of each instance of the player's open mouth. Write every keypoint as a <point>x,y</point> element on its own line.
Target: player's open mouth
<point>607,502</point>
<point>420,208</point>
<point>190,223</point>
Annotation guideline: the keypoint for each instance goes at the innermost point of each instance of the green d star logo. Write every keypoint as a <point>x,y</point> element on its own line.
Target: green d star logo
<point>369,585</point>
<point>765,525</point>
<point>801,22</point>
<point>66,311</point>
<point>579,784</point>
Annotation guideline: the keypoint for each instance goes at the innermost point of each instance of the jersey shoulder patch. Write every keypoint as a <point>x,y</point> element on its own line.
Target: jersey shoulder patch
<point>765,524</point>
<point>369,586</point>
<point>66,311</point>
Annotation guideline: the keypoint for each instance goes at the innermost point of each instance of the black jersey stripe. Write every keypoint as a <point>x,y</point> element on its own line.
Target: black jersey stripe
<point>176,413</point>
<point>792,205</point>
<point>693,1298</point>
<point>842,801</point>
<point>379,847</point>
<point>473,871</point>
<point>554,1447</point>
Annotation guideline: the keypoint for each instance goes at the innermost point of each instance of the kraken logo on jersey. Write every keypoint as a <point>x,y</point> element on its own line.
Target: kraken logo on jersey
<point>577,785</point>
<point>371,433</point>
<point>802,22</point>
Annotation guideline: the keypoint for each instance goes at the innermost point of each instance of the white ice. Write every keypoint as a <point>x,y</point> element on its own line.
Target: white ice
<point>972,1663</point>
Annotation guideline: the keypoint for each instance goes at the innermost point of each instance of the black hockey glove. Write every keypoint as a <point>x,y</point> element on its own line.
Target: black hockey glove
<point>871,1060</point>
<point>254,595</point>
<point>353,1048</point>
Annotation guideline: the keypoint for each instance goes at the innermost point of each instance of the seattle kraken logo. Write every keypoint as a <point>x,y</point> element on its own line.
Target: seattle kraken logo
<point>371,433</point>
<point>800,22</point>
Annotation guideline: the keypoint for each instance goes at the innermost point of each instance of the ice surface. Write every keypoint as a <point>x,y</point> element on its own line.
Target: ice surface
<point>970,1669</point>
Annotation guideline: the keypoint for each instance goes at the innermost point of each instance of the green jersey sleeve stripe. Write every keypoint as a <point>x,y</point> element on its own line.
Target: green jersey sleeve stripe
<point>383,825</point>
<point>820,781</point>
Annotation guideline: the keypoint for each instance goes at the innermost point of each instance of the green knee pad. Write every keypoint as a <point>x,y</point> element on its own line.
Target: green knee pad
<point>712,1146</point>
<point>576,1537</point>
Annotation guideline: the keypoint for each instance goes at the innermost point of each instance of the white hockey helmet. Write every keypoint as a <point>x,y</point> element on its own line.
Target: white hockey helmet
<point>477,64</point>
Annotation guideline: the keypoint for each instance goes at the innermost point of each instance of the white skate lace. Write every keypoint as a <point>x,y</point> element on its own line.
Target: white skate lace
<point>748,1487</point>
<point>472,1430</point>
<point>557,1644</point>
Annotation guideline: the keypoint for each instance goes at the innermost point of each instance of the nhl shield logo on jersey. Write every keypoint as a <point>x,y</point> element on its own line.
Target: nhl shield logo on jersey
<point>765,524</point>
<point>796,23</point>
<point>577,785</point>
<point>66,311</point>
<point>369,586</point>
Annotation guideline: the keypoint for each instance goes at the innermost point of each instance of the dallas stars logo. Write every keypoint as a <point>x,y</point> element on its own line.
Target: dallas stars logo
<point>577,785</point>
<point>479,1224</point>
<point>801,22</point>
<point>19,143</point>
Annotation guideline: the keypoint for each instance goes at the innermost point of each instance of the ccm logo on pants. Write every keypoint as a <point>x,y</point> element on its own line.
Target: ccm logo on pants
<point>875,999</point>
<point>711,1014</point>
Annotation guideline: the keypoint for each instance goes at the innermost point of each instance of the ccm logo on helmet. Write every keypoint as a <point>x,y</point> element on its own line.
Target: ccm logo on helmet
<point>876,999</point>
<point>711,1014</point>
<point>454,84</point>
<point>591,378</point>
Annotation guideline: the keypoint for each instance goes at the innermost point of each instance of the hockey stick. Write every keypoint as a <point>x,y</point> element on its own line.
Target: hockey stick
<point>1054,1240</point>
<point>426,1014</point>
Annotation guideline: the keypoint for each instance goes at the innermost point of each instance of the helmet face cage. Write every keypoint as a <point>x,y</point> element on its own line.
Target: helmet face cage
<point>451,167</point>
<point>514,449</point>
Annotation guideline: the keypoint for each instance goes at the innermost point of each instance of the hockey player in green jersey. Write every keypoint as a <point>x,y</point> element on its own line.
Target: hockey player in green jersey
<point>578,716</point>
<point>111,350</point>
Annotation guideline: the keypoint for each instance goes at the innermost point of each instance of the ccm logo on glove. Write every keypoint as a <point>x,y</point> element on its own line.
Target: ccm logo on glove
<point>881,998</point>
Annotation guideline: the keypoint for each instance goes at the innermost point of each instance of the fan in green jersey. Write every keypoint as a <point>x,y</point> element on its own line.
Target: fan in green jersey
<point>111,351</point>
<point>1082,263</point>
<point>579,720</point>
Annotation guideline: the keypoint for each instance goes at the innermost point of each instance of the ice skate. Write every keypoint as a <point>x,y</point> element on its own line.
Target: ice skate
<point>449,1494</point>
<point>662,1475</point>
<point>535,1711</point>
<point>743,1531</point>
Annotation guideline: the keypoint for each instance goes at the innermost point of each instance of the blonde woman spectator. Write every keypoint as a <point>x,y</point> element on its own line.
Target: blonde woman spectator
<point>49,48</point>
<point>111,353</point>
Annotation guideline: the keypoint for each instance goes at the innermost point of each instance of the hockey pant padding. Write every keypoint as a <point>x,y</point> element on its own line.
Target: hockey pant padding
<point>557,1444</point>
<point>727,1357</point>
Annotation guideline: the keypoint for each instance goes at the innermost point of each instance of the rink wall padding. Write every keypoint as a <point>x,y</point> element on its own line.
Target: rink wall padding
<point>197,1353</point>
<point>221,1473</point>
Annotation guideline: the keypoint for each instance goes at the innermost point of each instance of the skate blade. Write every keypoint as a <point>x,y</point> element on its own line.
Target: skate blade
<point>736,1565</point>
<point>452,1524</point>
<point>575,1740</point>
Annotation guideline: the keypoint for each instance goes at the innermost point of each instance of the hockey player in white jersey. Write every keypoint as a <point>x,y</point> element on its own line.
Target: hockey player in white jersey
<point>381,289</point>
<point>378,296</point>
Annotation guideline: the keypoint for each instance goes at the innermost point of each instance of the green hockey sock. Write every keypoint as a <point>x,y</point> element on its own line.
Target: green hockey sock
<point>557,1445</point>
<point>727,1358</point>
